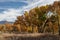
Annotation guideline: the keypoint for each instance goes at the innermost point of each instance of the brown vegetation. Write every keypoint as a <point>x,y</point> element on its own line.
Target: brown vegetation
<point>34,21</point>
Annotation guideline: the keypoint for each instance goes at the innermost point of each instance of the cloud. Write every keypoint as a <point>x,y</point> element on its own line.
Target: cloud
<point>39,3</point>
<point>8,0</point>
<point>19,0</point>
<point>4,4</point>
<point>26,1</point>
<point>11,14</point>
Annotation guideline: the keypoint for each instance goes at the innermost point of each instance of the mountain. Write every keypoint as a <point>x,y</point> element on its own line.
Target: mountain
<point>3,22</point>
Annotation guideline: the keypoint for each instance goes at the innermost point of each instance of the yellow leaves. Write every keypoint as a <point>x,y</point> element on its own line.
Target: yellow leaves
<point>46,6</point>
<point>32,29</point>
<point>18,27</point>
<point>29,29</point>
<point>55,27</point>
<point>35,29</point>
<point>26,13</point>
<point>1,27</point>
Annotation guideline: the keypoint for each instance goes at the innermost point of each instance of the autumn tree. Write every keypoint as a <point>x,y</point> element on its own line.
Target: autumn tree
<point>36,17</point>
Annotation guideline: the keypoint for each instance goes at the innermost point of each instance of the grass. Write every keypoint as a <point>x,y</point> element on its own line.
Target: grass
<point>25,37</point>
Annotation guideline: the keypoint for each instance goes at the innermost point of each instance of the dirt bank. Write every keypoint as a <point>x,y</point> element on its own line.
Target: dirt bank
<point>36,36</point>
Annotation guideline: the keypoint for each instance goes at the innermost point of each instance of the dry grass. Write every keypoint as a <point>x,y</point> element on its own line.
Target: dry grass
<point>30,37</point>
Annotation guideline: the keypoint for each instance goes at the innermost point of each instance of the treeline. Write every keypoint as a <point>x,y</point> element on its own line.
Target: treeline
<point>37,20</point>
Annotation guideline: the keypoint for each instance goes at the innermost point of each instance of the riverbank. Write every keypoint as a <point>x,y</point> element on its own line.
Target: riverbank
<point>33,36</point>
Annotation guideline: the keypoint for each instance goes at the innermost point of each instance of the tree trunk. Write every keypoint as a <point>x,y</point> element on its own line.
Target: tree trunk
<point>58,23</point>
<point>43,26</point>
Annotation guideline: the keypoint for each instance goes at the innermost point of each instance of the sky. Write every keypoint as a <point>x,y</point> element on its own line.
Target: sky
<point>10,9</point>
